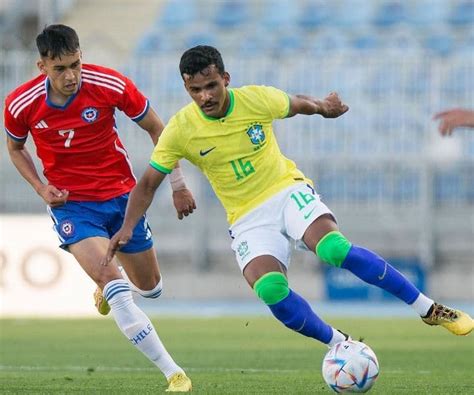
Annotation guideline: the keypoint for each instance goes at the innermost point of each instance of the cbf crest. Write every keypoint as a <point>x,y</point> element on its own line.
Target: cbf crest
<point>243,249</point>
<point>256,134</point>
<point>90,114</point>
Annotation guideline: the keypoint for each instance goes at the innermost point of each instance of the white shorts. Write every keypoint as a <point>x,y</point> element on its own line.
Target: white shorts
<point>270,228</point>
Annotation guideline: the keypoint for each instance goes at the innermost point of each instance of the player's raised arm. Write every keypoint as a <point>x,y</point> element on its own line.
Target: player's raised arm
<point>140,199</point>
<point>455,118</point>
<point>329,107</point>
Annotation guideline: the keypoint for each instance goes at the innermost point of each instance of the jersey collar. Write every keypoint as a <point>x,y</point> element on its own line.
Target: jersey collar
<point>228,112</point>
<point>68,101</point>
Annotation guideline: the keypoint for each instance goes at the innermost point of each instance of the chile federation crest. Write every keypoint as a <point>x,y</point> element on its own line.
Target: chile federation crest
<point>90,114</point>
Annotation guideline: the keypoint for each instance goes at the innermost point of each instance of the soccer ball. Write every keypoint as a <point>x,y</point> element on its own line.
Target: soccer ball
<point>350,366</point>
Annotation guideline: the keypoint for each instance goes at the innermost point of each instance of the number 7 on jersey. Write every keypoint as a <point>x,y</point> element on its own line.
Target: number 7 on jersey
<point>70,135</point>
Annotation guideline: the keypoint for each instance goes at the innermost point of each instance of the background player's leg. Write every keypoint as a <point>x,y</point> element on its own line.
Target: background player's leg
<point>266,275</point>
<point>142,272</point>
<point>132,321</point>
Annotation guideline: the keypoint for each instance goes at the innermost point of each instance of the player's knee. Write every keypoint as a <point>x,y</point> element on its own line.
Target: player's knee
<point>272,287</point>
<point>153,293</point>
<point>333,248</point>
<point>105,275</point>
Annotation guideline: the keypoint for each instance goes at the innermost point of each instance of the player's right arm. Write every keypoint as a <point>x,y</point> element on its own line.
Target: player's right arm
<point>138,202</point>
<point>22,160</point>
<point>455,118</point>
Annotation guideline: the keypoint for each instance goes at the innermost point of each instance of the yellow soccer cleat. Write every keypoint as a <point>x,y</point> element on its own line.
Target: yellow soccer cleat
<point>179,382</point>
<point>455,321</point>
<point>100,302</point>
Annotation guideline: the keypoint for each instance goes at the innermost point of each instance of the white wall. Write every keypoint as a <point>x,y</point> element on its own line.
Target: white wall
<point>38,279</point>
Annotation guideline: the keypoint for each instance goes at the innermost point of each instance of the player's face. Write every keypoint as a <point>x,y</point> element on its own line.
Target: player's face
<point>64,73</point>
<point>208,90</point>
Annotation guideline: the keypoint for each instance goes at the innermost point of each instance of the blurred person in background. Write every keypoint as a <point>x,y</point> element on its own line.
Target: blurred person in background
<point>228,134</point>
<point>452,119</point>
<point>69,111</point>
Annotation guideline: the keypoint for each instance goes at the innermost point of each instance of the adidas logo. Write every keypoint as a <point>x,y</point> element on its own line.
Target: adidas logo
<point>41,125</point>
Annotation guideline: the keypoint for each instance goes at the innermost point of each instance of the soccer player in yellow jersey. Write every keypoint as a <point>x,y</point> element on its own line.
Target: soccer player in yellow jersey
<point>228,134</point>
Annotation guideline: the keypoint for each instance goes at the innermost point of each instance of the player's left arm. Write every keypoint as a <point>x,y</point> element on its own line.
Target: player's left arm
<point>183,199</point>
<point>329,107</point>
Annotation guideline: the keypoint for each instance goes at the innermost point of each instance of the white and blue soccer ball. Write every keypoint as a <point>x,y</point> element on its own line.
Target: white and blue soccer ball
<point>350,366</point>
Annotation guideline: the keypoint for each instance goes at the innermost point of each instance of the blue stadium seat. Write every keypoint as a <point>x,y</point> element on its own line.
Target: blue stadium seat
<point>152,42</point>
<point>425,13</point>
<point>439,43</point>
<point>389,13</point>
<point>366,40</point>
<point>462,14</point>
<point>313,14</point>
<point>177,14</point>
<point>279,14</point>
<point>404,39</point>
<point>290,42</point>
<point>231,14</point>
<point>354,14</point>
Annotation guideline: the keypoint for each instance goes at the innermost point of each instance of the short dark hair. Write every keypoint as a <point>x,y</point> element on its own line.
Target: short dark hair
<point>198,58</point>
<point>57,40</point>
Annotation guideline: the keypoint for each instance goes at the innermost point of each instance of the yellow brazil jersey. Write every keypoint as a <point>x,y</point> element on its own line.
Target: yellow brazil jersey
<point>238,153</point>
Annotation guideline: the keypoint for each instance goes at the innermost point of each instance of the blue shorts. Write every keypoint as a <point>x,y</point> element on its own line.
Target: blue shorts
<point>76,221</point>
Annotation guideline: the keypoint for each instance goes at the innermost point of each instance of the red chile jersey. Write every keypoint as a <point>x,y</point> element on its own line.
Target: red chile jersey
<point>78,142</point>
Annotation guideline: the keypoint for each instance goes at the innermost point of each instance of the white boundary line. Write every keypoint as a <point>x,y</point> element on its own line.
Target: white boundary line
<point>26,368</point>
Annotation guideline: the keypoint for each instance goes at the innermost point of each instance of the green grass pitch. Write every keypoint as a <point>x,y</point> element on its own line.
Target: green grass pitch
<point>238,355</point>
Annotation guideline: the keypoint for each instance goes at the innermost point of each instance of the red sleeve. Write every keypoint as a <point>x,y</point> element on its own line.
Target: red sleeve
<point>16,128</point>
<point>132,102</point>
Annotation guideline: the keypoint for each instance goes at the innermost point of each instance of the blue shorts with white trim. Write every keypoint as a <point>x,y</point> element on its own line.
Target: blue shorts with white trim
<point>76,221</point>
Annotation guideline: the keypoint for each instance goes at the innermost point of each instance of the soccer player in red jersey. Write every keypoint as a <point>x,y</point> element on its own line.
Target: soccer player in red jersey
<point>69,111</point>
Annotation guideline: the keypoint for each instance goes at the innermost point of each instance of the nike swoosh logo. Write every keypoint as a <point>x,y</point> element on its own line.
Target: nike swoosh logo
<point>384,272</point>
<point>311,212</point>
<point>204,153</point>
<point>301,327</point>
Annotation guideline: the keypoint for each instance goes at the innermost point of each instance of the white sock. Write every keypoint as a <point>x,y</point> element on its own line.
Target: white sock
<point>422,304</point>
<point>152,293</point>
<point>337,337</point>
<point>136,326</point>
